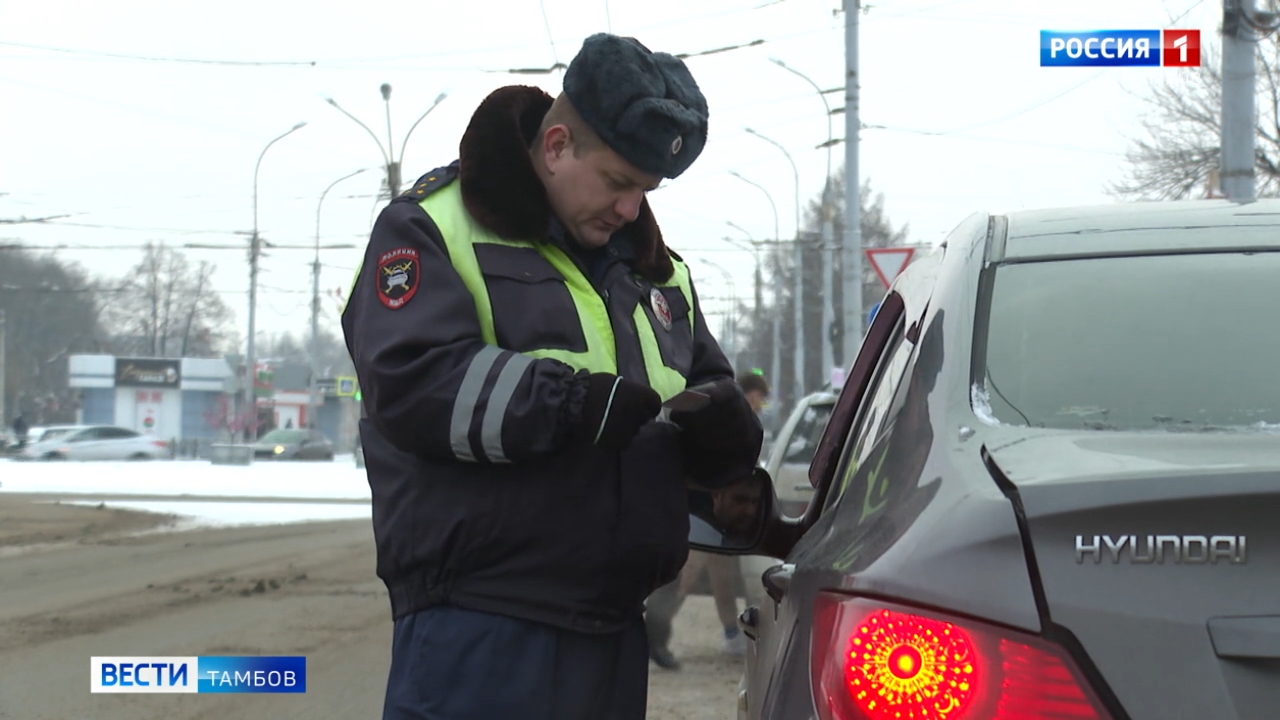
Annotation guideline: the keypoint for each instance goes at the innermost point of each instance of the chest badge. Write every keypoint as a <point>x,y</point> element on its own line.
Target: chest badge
<point>661,310</point>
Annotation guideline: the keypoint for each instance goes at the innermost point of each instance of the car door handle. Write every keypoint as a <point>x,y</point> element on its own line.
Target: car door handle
<point>777,580</point>
<point>749,620</point>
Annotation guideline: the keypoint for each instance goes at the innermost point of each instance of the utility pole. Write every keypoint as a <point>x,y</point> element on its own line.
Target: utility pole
<point>828,269</point>
<point>255,250</point>
<point>4,370</point>
<point>852,251</point>
<point>1239,111</point>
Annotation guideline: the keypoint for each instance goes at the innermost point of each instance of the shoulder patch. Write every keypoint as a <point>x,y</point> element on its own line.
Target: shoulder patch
<point>430,183</point>
<point>397,277</point>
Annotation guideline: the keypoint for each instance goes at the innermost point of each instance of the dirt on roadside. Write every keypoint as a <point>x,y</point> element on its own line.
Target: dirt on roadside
<point>77,582</point>
<point>32,519</point>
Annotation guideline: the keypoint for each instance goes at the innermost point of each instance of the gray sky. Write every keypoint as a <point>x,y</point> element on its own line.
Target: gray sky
<point>962,117</point>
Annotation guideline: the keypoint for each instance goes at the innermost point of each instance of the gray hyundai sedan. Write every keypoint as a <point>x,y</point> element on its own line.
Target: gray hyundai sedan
<point>1050,488</point>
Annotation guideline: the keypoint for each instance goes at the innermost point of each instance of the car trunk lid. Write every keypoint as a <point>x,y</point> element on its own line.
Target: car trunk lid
<point>1157,551</point>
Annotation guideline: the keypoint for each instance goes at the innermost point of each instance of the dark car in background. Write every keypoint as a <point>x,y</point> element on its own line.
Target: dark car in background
<point>1049,487</point>
<point>287,444</point>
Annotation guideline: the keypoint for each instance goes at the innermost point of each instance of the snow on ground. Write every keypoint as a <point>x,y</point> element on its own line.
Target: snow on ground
<point>329,480</point>
<point>207,513</point>
<point>297,482</point>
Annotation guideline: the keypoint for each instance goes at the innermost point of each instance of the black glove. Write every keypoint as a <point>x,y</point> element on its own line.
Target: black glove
<point>615,409</point>
<point>722,440</point>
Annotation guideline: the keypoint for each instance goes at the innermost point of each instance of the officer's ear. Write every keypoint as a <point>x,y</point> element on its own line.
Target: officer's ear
<point>556,146</point>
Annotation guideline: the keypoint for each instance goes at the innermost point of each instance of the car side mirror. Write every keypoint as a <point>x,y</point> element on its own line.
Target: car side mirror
<point>733,520</point>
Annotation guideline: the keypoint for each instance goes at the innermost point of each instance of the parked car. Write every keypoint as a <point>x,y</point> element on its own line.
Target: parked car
<point>293,445</point>
<point>40,434</point>
<point>95,442</point>
<point>1049,486</point>
<point>789,458</point>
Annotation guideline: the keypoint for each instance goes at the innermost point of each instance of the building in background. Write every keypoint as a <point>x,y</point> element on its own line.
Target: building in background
<point>286,404</point>
<point>182,398</point>
<point>194,400</point>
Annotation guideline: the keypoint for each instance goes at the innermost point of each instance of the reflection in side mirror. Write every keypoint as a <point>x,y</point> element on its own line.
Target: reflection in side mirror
<point>731,520</point>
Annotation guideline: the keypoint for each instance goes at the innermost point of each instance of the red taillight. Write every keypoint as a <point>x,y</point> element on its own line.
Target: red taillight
<point>160,443</point>
<point>875,661</point>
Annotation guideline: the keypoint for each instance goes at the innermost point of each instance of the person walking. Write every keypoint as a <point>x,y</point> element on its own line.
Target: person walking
<point>516,325</point>
<point>21,430</point>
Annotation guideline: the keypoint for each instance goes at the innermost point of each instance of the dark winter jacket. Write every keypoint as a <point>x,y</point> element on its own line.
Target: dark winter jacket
<point>562,532</point>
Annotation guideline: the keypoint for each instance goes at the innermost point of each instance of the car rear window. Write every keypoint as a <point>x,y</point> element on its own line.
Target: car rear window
<point>1180,342</point>
<point>284,436</point>
<point>803,442</point>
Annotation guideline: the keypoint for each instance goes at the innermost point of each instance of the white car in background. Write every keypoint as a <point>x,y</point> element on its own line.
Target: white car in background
<point>44,434</point>
<point>791,453</point>
<point>97,442</point>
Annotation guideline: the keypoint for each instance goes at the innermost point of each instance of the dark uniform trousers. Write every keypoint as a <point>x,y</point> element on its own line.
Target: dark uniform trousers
<point>454,664</point>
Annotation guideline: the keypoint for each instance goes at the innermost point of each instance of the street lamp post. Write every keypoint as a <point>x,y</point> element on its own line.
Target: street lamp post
<point>255,248</point>
<point>313,387</point>
<point>730,327</point>
<point>758,308</point>
<point>393,167</point>
<point>390,161</point>
<point>4,370</point>
<point>828,228</point>
<point>799,280</point>
<point>776,361</point>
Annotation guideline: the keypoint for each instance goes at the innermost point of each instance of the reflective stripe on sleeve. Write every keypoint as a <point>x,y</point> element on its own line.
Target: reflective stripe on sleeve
<point>496,411</point>
<point>464,405</point>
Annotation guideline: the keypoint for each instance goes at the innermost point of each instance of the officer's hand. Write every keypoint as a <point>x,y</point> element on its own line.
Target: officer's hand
<point>615,409</point>
<point>722,440</point>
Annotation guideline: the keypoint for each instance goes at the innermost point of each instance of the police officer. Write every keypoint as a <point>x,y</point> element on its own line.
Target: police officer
<point>516,324</point>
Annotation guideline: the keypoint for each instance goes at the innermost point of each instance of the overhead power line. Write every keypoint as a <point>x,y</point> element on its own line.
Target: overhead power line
<point>151,58</point>
<point>22,220</point>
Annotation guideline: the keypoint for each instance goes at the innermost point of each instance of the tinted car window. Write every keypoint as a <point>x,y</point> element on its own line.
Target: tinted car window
<point>1183,342</point>
<point>874,413</point>
<point>284,436</point>
<point>114,433</point>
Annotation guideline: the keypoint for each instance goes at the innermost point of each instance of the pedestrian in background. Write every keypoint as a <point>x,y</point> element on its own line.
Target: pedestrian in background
<point>20,430</point>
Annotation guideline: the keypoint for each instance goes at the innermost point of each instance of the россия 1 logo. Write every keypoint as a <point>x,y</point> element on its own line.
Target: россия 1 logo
<point>1120,48</point>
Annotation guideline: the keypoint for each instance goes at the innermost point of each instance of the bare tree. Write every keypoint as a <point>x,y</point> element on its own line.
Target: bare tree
<point>333,357</point>
<point>877,231</point>
<point>1179,154</point>
<point>167,308</point>
<point>51,311</point>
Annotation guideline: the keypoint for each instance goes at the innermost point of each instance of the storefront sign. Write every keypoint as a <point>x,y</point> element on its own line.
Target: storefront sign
<point>148,372</point>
